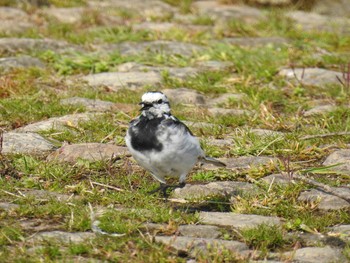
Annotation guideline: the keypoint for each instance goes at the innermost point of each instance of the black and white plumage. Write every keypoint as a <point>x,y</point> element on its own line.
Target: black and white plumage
<point>162,144</point>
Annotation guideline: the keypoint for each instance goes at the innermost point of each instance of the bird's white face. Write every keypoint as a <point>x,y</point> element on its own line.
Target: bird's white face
<point>154,104</point>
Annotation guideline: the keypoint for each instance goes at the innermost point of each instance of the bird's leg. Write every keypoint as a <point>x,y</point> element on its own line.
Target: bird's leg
<point>181,185</point>
<point>173,187</point>
<point>164,187</point>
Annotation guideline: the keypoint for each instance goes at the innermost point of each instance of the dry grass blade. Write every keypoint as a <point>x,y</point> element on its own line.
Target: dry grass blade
<point>12,194</point>
<point>108,186</point>
<point>184,201</point>
<point>95,225</point>
<point>323,187</point>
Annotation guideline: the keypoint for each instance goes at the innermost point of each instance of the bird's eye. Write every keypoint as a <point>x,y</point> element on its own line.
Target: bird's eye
<point>160,101</point>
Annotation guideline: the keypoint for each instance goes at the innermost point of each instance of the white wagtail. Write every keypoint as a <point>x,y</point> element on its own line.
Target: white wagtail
<point>162,144</point>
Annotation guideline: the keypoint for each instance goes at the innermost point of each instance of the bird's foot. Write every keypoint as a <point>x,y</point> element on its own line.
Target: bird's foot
<point>181,185</point>
<point>164,187</point>
<point>158,189</point>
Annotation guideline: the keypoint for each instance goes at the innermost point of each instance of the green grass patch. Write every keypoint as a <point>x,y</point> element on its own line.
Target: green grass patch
<point>264,238</point>
<point>105,128</point>
<point>21,111</point>
<point>183,5</point>
<point>64,3</point>
<point>203,21</point>
<point>9,233</point>
<point>282,201</point>
<point>206,82</point>
<point>75,63</point>
<point>259,63</point>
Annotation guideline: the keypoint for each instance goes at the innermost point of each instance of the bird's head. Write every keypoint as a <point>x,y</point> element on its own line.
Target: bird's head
<point>154,104</point>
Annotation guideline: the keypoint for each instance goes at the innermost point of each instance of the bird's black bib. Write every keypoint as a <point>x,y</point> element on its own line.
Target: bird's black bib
<point>143,134</point>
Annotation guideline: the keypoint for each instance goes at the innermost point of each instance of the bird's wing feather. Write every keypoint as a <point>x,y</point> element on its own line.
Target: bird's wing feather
<point>173,121</point>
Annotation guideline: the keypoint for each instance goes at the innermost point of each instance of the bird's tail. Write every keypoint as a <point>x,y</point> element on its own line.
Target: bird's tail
<point>207,159</point>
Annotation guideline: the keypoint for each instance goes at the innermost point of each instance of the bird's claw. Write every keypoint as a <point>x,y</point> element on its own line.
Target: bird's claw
<point>164,187</point>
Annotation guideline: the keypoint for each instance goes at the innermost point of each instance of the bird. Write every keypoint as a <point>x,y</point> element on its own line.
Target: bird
<point>162,144</point>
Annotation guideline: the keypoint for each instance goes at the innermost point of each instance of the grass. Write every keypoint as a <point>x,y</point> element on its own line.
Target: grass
<point>29,95</point>
<point>202,82</point>
<point>26,3</point>
<point>77,63</point>
<point>264,238</point>
<point>287,206</point>
<point>85,34</point>
<point>74,215</point>
<point>257,63</point>
<point>21,111</point>
<point>183,5</point>
<point>203,21</point>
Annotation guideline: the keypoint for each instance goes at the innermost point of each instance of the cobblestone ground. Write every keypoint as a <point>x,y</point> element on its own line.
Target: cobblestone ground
<point>264,86</point>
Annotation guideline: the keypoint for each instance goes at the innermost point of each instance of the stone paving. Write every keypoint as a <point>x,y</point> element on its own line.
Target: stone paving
<point>190,239</point>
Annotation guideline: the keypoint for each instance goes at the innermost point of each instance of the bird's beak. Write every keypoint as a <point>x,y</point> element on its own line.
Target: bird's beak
<point>145,106</point>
